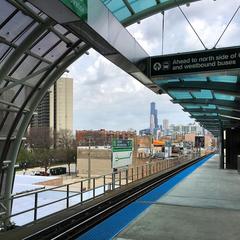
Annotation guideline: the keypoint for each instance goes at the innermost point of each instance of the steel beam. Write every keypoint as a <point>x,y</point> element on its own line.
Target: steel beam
<point>22,81</point>
<point>28,52</point>
<point>204,117</point>
<point>129,7</point>
<point>232,89</point>
<point>12,105</point>
<point>205,111</point>
<point>220,103</point>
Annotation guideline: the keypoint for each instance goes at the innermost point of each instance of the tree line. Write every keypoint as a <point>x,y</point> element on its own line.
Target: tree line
<point>44,148</point>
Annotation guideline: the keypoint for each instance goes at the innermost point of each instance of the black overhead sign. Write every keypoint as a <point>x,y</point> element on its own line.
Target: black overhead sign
<point>195,62</point>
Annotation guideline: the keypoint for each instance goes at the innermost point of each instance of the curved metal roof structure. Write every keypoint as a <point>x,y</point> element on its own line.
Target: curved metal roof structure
<point>35,51</point>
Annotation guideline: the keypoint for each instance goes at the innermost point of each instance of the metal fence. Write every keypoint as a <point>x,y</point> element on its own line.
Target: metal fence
<point>61,197</point>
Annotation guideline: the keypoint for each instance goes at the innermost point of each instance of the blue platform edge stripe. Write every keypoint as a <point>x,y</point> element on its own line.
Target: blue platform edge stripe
<point>111,226</point>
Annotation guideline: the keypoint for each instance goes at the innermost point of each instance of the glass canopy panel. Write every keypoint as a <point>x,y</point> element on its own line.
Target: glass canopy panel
<point>122,14</point>
<point>118,8</point>
<point>140,5</point>
<point>203,94</point>
<point>220,96</point>
<point>22,94</point>
<point>210,106</point>
<point>191,106</point>
<point>3,49</point>
<point>56,52</point>
<point>23,35</point>
<point>25,68</point>
<point>211,114</point>
<point>195,78</point>
<point>180,95</point>
<point>15,26</point>
<point>45,44</point>
<point>224,79</point>
<point>204,114</point>
<point>197,114</point>
<point>6,10</point>
<point>6,56</point>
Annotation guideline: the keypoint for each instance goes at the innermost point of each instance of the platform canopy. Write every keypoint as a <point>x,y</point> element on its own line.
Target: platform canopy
<point>205,83</point>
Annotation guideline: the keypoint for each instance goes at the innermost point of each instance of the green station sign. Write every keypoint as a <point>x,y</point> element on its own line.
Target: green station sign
<point>79,7</point>
<point>121,144</point>
<point>121,153</point>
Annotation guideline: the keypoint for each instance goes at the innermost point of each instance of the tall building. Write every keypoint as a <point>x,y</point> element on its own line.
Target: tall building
<point>56,109</point>
<point>165,124</point>
<point>153,117</point>
<point>61,104</point>
<point>156,118</point>
<point>41,116</point>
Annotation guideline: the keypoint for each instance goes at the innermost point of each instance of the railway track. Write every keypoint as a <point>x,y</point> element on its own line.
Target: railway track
<point>77,224</point>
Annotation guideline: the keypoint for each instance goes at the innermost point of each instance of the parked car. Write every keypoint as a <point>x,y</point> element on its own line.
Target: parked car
<point>41,173</point>
<point>58,170</point>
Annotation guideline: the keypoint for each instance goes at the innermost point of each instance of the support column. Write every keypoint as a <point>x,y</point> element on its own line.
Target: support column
<point>221,149</point>
<point>232,147</point>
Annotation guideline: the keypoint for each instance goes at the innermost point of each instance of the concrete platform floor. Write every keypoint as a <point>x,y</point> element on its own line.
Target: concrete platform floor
<point>204,206</point>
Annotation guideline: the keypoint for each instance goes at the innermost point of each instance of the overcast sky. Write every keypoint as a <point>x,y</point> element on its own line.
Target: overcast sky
<point>107,97</point>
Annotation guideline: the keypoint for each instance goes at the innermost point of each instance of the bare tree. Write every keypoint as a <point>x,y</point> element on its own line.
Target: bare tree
<point>66,142</point>
<point>40,139</point>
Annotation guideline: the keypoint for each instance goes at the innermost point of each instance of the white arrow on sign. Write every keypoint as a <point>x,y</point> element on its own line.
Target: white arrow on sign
<point>157,66</point>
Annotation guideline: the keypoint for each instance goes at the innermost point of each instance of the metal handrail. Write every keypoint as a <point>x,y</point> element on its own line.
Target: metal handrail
<point>118,179</point>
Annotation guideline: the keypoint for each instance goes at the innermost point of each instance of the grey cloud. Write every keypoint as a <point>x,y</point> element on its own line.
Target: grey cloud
<point>178,38</point>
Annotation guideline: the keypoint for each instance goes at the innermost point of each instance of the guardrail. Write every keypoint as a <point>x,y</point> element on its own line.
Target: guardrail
<point>87,189</point>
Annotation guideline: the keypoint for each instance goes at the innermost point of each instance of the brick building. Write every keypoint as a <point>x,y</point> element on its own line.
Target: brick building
<point>101,137</point>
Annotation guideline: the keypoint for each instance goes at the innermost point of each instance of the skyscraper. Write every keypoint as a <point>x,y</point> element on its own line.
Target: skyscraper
<point>153,117</point>
<point>156,118</point>
<point>152,130</point>
<point>61,104</point>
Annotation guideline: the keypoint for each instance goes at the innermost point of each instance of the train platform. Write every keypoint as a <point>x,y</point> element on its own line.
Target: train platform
<point>203,205</point>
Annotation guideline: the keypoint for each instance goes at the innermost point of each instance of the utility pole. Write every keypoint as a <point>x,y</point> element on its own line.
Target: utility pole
<point>89,163</point>
<point>150,146</point>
